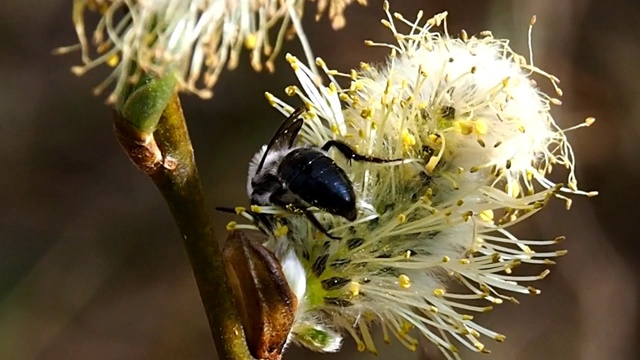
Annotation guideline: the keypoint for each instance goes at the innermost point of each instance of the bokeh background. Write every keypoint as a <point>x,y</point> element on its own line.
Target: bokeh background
<point>92,267</point>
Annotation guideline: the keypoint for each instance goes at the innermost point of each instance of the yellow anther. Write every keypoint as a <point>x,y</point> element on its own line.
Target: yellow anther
<point>446,259</point>
<point>439,292</point>
<point>291,59</point>
<point>486,215</point>
<point>113,60</point>
<point>480,127</point>
<point>354,87</point>
<point>332,88</point>
<point>407,254</point>
<point>404,281</point>
<point>250,41</point>
<point>499,338</point>
<point>544,273</point>
<point>401,218</point>
<point>231,225</point>
<point>406,327</point>
<point>465,261</point>
<point>463,35</point>
<point>408,140</point>
<point>290,90</point>
<point>320,62</point>
<point>256,209</point>
<point>590,120</point>
<point>463,126</point>
<point>533,291</point>
<point>240,209</point>
<point>367,113</point>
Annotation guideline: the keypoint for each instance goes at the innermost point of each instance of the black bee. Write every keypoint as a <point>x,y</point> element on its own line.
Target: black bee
<point>296,178</point>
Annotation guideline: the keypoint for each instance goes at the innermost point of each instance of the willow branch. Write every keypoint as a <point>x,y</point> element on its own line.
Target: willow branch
<point>167,157</point>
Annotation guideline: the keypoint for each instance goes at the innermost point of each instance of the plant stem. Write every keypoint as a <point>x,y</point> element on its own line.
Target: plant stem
<point>176,176</point>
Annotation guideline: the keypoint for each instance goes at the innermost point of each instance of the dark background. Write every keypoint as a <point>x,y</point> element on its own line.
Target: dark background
<point>91,265</point>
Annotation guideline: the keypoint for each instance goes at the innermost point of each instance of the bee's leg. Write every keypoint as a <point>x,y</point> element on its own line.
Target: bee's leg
<point>279,198</point>
<point>263,222</point>
<point>318,225</point>
<point>350,154</point>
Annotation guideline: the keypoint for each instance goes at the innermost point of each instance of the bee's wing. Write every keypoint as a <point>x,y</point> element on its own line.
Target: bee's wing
<point>285,135</point>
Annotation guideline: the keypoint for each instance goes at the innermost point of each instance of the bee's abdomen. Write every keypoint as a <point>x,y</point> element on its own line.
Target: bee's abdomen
<point>318,180</point>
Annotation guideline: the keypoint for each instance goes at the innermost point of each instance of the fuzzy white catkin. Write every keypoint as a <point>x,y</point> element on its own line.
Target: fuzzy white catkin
<point>195,39</point>
<point>478,139</point>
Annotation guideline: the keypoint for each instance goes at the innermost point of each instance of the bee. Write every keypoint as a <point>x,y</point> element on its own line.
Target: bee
<point>299,177</point>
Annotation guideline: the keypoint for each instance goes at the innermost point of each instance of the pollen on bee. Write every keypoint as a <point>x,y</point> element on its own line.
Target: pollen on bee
<point>281,230</point>
<point>353,288</point>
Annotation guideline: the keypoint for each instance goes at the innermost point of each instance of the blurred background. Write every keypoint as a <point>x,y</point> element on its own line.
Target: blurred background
<point>92,266</point>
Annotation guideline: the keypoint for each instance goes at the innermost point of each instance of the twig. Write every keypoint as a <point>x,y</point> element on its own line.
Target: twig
<point>176,176</point>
